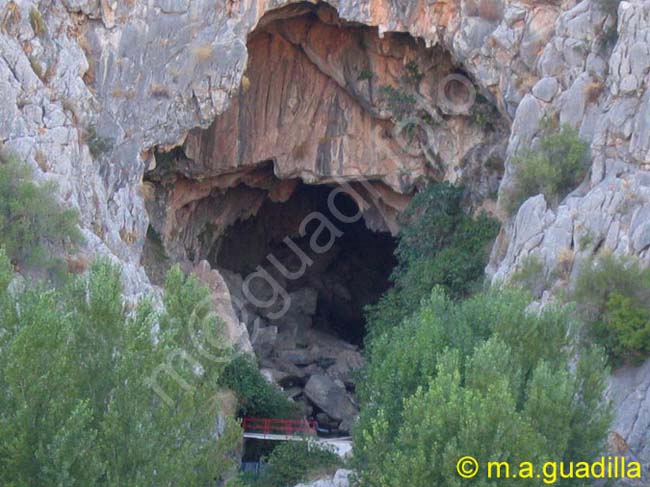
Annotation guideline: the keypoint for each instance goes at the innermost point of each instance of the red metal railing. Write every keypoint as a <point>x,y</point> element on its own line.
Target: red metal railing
<point>279,426</point>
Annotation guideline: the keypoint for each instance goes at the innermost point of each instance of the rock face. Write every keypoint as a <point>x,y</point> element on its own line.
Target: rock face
<point>340,479</point>
<point>90,92</point>
<point>330,397</point>
<point>325,101</point>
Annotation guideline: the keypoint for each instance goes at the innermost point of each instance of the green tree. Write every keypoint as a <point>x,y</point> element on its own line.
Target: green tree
<point>290,463</point>
<point>554,169</point>
<point>439,244</point>
<point>481,377</point>
<point>613,293</point>
<point>76,406</point>
<point>256,396</point>
<point>32,220</point>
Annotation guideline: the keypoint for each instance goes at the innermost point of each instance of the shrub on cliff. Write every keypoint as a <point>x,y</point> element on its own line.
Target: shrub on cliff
<point>31,218</point>
<point>439,244</point>
<point>554,169</point>
<point>613,294</point>
<point>293,462</point>
<point>290,463</point>
<point>482,377</point>
<point>76,405</point>
<point>255,395</point>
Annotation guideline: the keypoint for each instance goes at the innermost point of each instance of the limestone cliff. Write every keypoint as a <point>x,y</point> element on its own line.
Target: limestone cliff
<point>96,93</point>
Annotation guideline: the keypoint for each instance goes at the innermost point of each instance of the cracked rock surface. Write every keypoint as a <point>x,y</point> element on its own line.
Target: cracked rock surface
<point>87,99</point>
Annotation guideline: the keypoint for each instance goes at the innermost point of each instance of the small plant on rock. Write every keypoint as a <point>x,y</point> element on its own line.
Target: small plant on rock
<point>36,21</point>
<point>554,169</point>
<point>31,218</point>
<point>97,144</point>
<point>612,294</point>
<point>399,102</point>
<point>413,74</point>
<point>365,74</point>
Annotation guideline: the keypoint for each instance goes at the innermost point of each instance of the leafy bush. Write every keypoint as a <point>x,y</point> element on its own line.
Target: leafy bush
<point>530,276</point>
<point>439,244</point>
<point>98,145</point>
<point>77,407</point>
<point>412,75</point>
<point>399,102</point>
<point>613,295</point>
<point>365,74</point>
<point>608,38</point>
<point>31,218</point>
<point>480,377</point>
<point>484,114</point>
<point>256,396</point>
<point>292,462</point>
<point>553,170</point>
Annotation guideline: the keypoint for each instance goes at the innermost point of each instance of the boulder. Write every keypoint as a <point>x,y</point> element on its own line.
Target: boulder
<point>326,421</point>
<point>304,301</point>
<point>297,356</point>
<point>330,397</point>
<point>263,340</point>
<point>340,479</point>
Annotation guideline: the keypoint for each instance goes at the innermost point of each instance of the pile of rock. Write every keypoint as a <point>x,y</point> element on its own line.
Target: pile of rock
<point>311,364</point>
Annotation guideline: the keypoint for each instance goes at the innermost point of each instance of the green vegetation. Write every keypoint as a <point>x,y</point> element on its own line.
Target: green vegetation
<point>439,244</point>
<point>554,169</point>
<point>32,222</point>
<point>413,74</point>
<point>483,114</point>
<point>399,102</point>
<point>613,295</point>
<point>467,374</point>
<point>365,74</point>
<point>256,397</point>
<point>482,377</point>
<point>97,145</point>
<point>77,406</point>
<point>608,38</point>
<point>290,463</point>
<point>530,276</point>
<point>36,21</point>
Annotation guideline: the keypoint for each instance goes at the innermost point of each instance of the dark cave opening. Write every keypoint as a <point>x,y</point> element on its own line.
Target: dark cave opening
<point>349,268</point>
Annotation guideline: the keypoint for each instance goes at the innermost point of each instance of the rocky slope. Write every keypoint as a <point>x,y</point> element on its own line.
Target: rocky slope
<point>96,91</point>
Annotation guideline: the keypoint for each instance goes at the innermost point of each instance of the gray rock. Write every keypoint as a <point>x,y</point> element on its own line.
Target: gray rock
<point>641,237</point>
<point>340,479</point>
<point>629,390</point>
<point>296,357</point>
<point>326,421</point>
<point>264,339</point>
<point>304,300</point>
<point>329,397</point>
<point>545,89</point>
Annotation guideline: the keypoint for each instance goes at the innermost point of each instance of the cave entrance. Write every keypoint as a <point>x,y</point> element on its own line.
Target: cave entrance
<point>323,103</point>
<point>346,265</point>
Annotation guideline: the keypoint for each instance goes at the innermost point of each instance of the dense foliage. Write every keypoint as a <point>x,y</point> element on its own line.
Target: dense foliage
<point>464,375</point>
<point>613,294</point>
<point>76,403</point>
<point>255,395</point>
<point>31,219</point>
<point>290,463</point>
<point>481,377</point>
<point>439,244</point>
<point>553,169</point>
